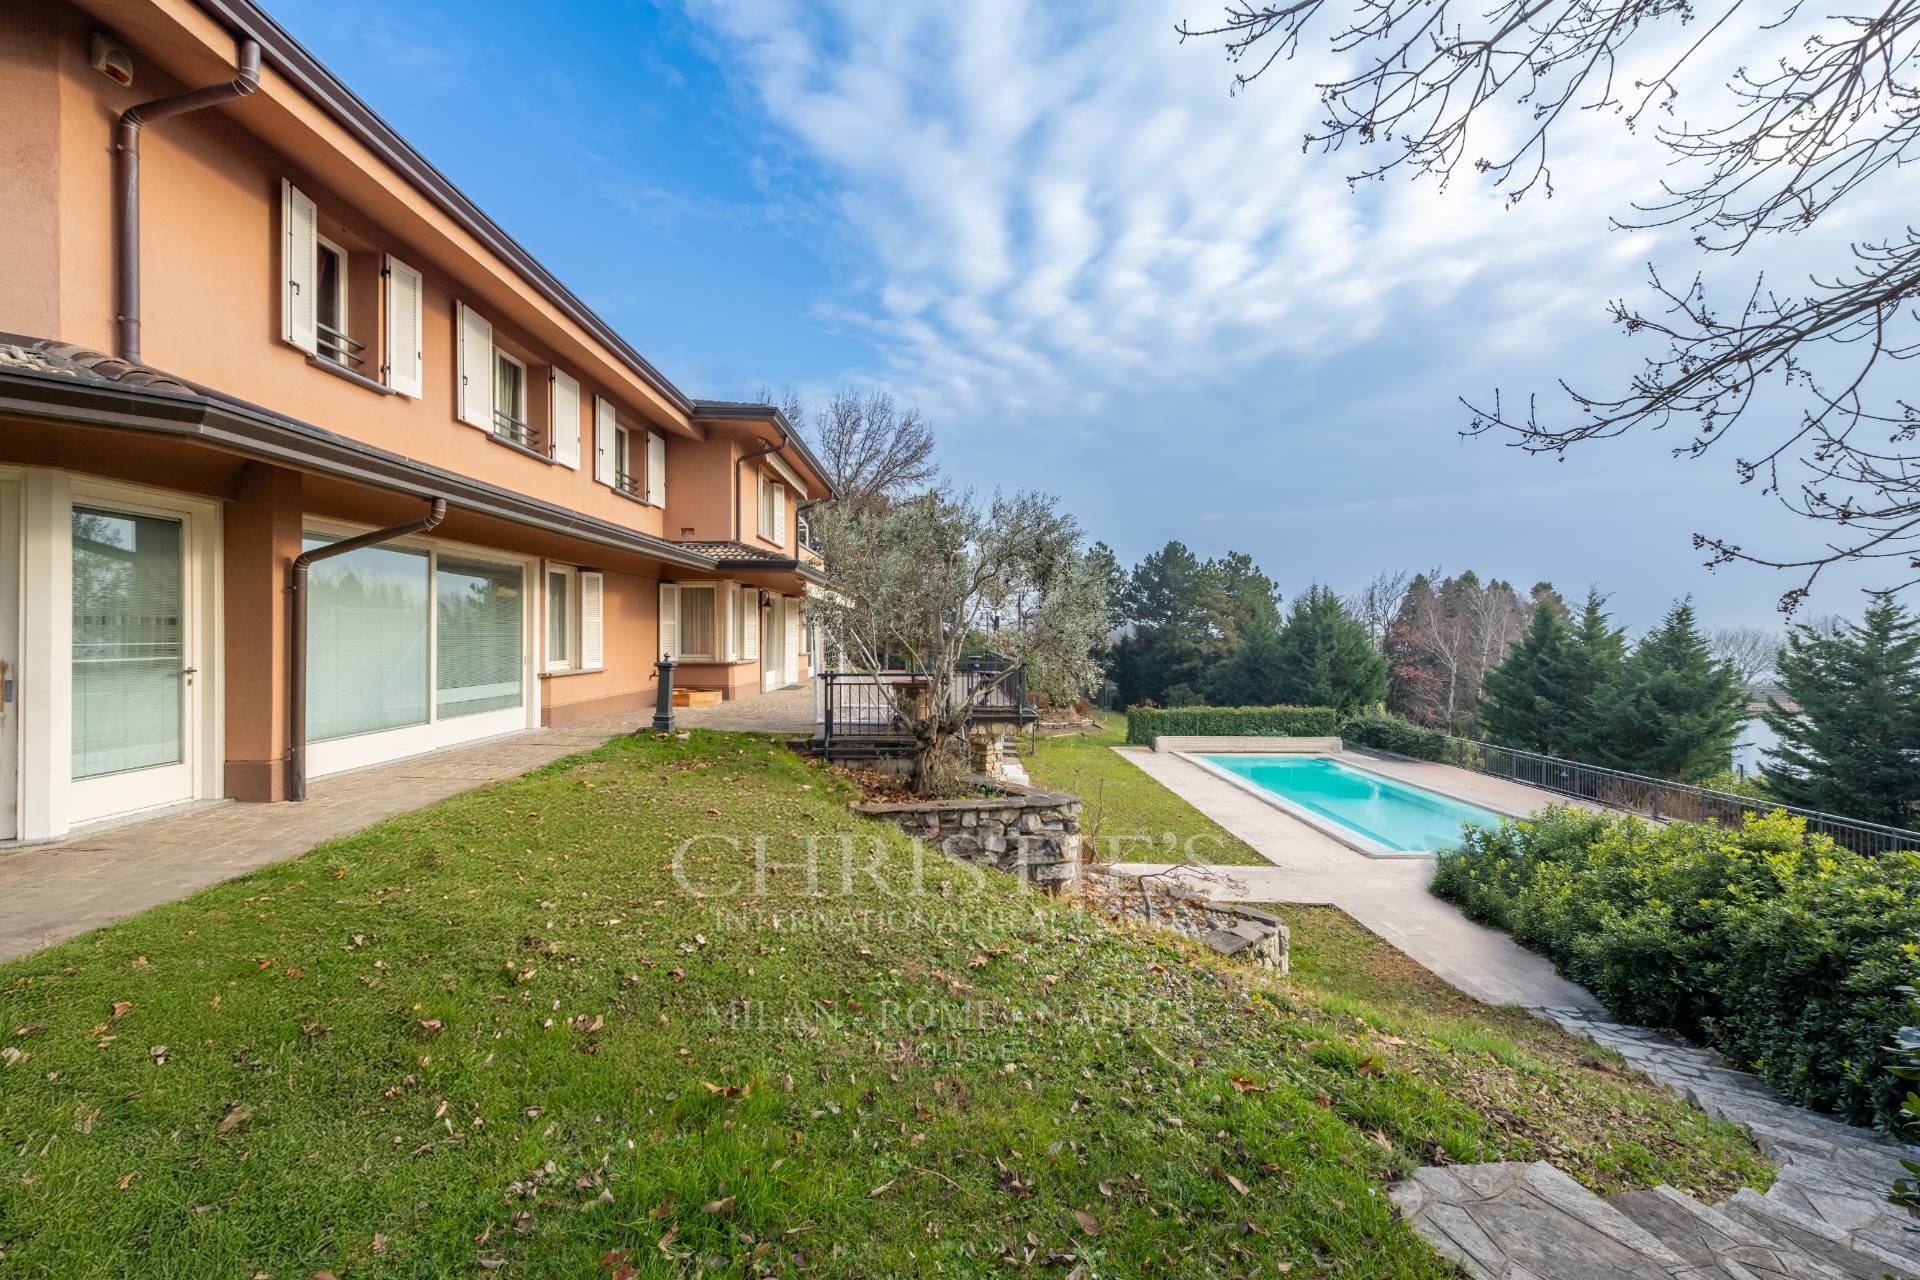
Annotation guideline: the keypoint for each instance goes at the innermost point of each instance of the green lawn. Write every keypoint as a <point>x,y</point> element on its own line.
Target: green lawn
<point>516,1034</point>
<point>1128,816</point>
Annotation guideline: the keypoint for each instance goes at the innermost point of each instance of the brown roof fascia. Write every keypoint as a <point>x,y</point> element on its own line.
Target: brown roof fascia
<point>292,60</point>
<point>245,429</point>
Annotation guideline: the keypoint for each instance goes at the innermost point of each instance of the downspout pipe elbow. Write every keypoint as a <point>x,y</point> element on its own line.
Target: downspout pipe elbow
<point>296,786</point>
<point>126,184</point>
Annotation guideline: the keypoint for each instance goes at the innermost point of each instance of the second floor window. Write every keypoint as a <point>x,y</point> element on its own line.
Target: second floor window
<point>626,467</point>
<point>773,510</point>
<point>316,315</point>
<point>510,399</point>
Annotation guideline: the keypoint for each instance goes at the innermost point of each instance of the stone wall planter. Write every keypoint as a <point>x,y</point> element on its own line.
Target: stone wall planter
<point>1023,831</point>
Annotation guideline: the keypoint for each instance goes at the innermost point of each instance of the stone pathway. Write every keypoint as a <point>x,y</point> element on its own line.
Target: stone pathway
<point>788,711</point>
<point>50,892</point>
<point>1825,1217</point>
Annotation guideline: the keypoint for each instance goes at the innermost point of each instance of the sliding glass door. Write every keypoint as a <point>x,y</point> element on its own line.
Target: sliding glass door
<point>410,648</point>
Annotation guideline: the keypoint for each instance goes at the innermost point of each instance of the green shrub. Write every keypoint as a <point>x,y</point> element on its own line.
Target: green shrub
<point>1144,724</point>
<point>1385,732</point>
<point>1781,949</point>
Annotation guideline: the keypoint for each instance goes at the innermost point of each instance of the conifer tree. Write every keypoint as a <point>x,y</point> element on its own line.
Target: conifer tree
<point>1327,659</point>
<point>1253,677</point>
<point>1523,701</point>
<point>1595,652</point>
<point>1673,711</point>
<point>1851,743</point>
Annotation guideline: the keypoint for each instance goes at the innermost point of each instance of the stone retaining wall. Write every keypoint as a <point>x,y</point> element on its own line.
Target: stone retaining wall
<point>1023,831</point>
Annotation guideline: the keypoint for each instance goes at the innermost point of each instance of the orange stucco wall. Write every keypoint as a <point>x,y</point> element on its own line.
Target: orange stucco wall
<point>211,270</point>
<point>211,313</point>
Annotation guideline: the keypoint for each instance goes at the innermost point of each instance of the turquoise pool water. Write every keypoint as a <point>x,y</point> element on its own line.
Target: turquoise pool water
<point>1404,818</point>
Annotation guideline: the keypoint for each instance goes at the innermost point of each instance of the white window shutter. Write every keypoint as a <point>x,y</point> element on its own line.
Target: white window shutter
<point>564,421</point>
<point>406,297</point>
<point>656,469</point>
<point>780,514</point>
<point>603,444</point>
<point>476,369</point>
<point>791,652</point>
<point>670,621</point>
<point>750,624</point>
<point>593,626</point>
<point>300,265</point>
<point>726,599</point>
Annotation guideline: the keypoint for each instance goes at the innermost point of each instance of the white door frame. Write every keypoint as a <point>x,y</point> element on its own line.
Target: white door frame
<point>202,729</point>
<point>773,642</point>
<point>11,498</point>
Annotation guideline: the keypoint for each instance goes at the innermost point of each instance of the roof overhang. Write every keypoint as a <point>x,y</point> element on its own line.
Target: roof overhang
<point>734,413</point>
<point>306,73</point>
<point>244,429</point>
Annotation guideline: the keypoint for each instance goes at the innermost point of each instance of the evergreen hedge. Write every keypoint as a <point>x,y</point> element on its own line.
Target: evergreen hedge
<point>1385,732</point>
<point>1144,724</point>
<point>1781,949</point>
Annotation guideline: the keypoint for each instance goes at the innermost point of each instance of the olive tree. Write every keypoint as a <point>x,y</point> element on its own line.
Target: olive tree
<point>919,583</point>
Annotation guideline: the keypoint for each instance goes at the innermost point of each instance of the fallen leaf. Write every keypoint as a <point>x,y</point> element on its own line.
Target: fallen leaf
<point>880,1190</point>
<point>237,1115</point>
<point>1236,1184</point>
<point>723,1205</point>
<point>1088,1223</point>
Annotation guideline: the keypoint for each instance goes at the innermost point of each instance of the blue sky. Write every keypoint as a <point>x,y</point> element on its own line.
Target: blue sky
<point>1096,273</point>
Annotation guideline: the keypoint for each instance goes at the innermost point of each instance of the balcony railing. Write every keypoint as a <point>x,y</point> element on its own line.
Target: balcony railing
<point>1658,798</point>
<point>331,344</point>
<point>628,483</point>
<point>986,689</point>
<point>508,427</point>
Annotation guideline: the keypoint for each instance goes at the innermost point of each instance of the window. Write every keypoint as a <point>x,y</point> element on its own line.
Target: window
<point>367,640</point>
<point>767,490</point>
<point>626,467</point>
<point>575,619</point>
<point>477,644</point>
<point>699,637</point>
<point>561,626</point>
<point>510,399</point>
<point>330,304</point>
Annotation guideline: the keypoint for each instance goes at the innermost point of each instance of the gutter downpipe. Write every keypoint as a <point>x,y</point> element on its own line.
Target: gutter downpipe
<point>126,186</point>
<point>297,586</point>
<point>742,461</point>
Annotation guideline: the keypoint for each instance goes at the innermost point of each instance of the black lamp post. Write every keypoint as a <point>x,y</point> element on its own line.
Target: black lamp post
<point>663,708</point>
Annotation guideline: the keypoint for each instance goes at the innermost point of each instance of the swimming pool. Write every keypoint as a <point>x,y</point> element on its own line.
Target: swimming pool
<point>1397,817</point>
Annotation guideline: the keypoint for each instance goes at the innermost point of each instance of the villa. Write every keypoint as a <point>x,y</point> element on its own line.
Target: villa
<point>243,321</point>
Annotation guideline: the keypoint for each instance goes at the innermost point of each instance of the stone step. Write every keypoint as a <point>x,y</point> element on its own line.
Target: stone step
<point>1514,1221</point>
<point>1851,1196</point>
<point>1710,1240</point>
<point>1857,1255</point>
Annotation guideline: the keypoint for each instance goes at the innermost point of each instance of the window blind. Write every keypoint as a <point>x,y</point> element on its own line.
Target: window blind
<point>128,642</point>
<point>477,645</point>
<point>367,625</point>
<point>697,635</point>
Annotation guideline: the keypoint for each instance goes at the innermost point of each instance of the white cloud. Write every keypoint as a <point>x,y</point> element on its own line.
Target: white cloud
<point>1039,204</point>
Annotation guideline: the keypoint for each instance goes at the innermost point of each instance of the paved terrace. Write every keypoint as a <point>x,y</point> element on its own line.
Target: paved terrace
<point>1388,896</point>
<point>51,892</point>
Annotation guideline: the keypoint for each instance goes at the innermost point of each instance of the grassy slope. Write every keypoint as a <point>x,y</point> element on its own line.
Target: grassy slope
<point>1130,817</point>
<point>501,1030</point>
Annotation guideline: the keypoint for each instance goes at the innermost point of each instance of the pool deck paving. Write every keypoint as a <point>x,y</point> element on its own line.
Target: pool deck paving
<point>1387,896</point>
<point>1825,1217</point>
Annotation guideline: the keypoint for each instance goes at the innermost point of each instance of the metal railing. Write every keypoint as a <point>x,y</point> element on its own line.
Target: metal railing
<point>627,483</point>
<point>861,704</point>
<point>336,346</point>
<point>1660,799</point>
<point>508,427</point>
